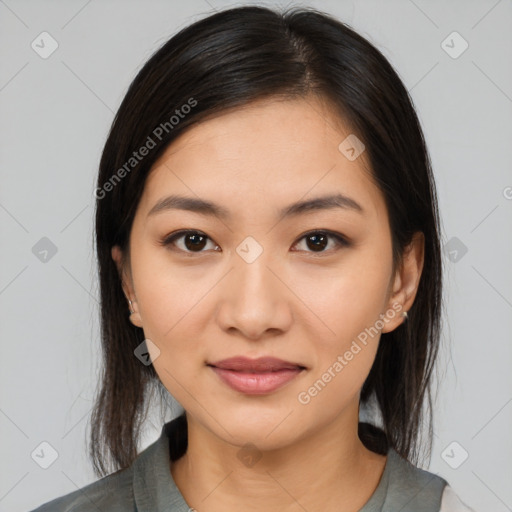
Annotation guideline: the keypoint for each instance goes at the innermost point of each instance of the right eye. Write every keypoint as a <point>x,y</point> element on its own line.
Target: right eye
<point>191,241</point>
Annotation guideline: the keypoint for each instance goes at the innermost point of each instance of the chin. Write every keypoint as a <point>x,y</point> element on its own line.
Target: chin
<point>266,430</point>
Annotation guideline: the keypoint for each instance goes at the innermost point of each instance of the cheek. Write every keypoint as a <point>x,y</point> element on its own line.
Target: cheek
<point>345,300</point>
<point>169,303</point>
<point>349,302</point>
<point>346,341</point>
<point>170,308</point>
<point>168,294</point>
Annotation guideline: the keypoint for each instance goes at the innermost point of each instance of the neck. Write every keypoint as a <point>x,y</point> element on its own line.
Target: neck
<point>329,469</point>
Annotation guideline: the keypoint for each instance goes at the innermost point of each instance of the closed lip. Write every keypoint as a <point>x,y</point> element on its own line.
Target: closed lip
<point>259,365</point>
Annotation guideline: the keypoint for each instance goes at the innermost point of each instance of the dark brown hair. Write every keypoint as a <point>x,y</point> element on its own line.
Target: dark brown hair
<point>222,62</point>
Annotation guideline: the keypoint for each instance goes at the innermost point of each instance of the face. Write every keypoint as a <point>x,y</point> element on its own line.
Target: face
<point>313,287</point>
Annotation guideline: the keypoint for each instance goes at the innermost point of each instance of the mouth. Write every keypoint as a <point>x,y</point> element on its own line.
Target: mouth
<point>259,365</point>
<point>256,376</point>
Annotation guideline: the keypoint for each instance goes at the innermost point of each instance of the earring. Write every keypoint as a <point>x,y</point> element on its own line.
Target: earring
<point>131,310</point>
<point>405,315</point>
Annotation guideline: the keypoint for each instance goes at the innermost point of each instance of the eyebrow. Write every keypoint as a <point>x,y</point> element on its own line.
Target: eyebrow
<point>204,207</point>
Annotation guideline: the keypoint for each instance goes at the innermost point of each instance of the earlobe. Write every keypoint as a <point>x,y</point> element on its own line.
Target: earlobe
<point>135,318</point>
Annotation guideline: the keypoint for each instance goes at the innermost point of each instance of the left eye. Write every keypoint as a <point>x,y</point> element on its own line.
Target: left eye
<point>195,241</point>
<point>320,239</point>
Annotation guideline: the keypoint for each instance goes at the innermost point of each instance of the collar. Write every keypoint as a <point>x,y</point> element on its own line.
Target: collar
<point>153,486</point>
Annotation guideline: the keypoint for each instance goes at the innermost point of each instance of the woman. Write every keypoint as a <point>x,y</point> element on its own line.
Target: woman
<point>267,213</point>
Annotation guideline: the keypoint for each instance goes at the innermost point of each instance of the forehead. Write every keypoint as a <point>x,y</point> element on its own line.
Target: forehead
<point>268,154</point>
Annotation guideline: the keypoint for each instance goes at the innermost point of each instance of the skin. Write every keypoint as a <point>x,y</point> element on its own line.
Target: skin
<point>292,302</point>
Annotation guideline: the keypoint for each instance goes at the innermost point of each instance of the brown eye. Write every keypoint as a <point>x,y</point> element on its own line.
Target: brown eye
<point>317,241</point>
<point>193,241</point>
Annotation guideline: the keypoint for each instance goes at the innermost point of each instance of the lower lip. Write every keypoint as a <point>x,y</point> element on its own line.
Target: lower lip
<point>256,383</point>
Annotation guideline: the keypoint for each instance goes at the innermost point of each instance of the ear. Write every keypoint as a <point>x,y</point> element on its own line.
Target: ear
<point>127,285</point>
<point>406,280</point>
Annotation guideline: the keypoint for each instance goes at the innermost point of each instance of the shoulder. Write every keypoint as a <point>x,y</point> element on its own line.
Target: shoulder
<point>407,478</point>
<point>112,493</point>
<point>414,489</point>
<point>408,488</point>
<point>146,483</point>
<point>450,502</point>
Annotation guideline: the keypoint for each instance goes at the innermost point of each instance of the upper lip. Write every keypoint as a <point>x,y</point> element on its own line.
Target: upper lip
<point>261,364</point>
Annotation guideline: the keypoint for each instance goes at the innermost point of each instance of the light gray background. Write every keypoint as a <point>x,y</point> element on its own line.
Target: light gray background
<point>54,118</point>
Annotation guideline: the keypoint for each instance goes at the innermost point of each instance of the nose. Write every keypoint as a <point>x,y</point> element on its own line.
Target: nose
<point>254,299</point>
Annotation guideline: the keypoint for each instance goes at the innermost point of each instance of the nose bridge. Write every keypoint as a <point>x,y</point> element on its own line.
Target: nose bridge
<point>252,278</point>
<point>254,300</point>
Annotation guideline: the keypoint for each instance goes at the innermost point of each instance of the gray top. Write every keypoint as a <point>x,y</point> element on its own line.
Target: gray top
<point>147,486</point>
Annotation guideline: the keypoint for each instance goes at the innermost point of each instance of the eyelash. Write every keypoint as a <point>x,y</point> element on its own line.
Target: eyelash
<point>340,240</point>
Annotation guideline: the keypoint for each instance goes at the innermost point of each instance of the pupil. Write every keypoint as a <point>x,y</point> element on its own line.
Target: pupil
<point>317,245</point>
<point>196,238</point>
